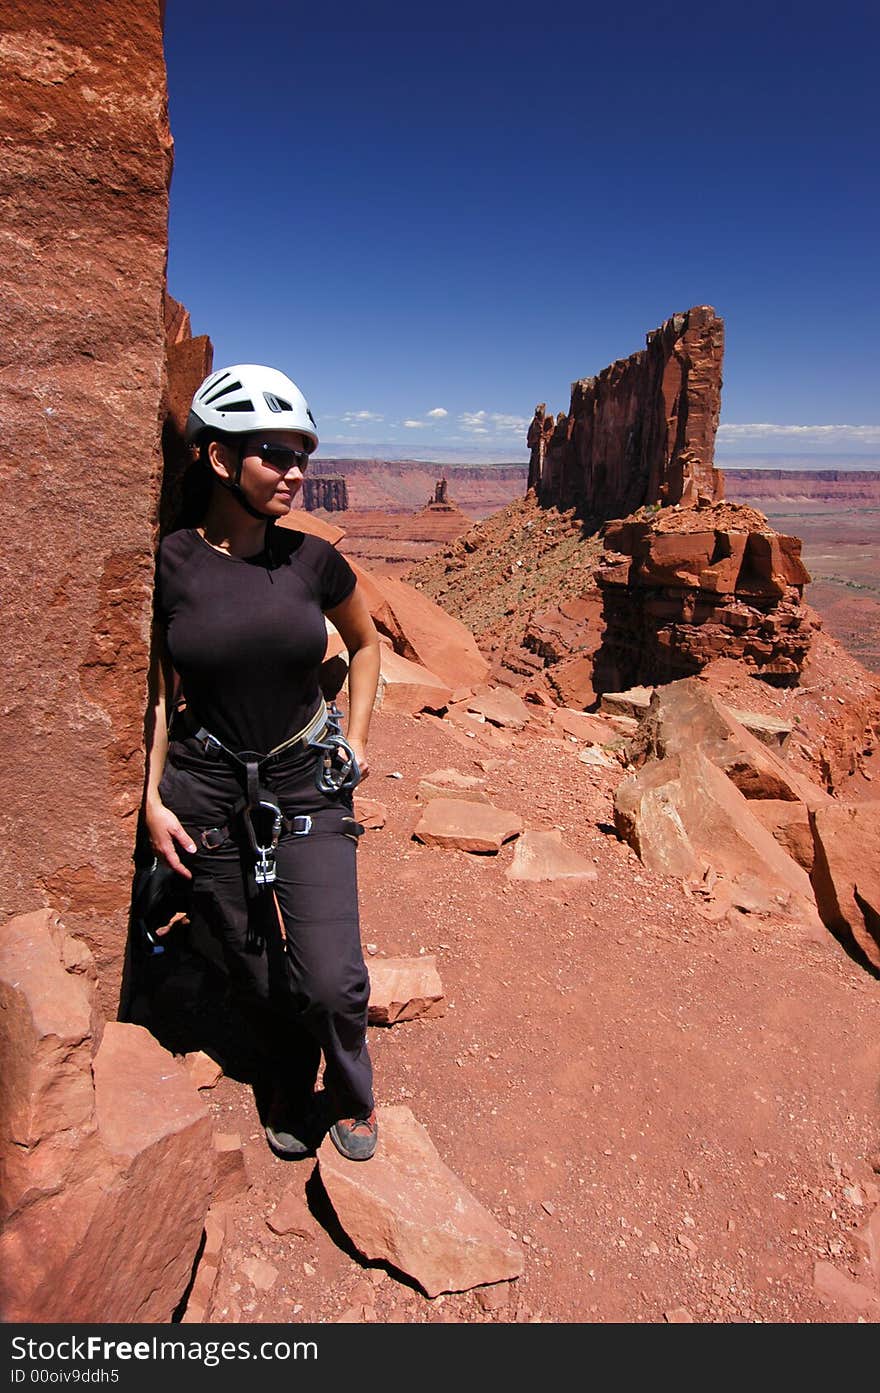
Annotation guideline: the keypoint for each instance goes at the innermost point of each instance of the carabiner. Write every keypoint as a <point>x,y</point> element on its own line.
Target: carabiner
<point>334,775</point>
<point>264,854</point>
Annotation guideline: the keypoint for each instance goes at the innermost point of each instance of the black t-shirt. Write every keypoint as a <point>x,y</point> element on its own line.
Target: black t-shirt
<point>246,636</point>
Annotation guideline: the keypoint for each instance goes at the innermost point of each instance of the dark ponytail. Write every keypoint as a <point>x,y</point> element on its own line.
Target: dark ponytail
<point>198,483</point>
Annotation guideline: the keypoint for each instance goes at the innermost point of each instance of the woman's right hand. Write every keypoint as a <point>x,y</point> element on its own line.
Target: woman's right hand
<point>165,831</point>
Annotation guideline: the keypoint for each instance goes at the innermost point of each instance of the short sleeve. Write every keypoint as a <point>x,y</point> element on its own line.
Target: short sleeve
<point>338,580</point>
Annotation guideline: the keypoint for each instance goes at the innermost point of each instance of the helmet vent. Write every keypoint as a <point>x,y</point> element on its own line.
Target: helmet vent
<point>223,392</point>
<point>245,405</point>
<point>276,403</point>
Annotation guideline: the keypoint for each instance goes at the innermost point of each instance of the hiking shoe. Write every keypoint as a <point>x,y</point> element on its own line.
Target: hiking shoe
<point>289,1136</point>
<point>355,1137</point>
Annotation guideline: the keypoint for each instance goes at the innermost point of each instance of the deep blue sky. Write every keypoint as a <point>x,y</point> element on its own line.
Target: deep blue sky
<point>467,218</point>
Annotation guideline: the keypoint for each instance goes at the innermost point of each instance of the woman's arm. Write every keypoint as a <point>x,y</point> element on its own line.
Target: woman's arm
<point>162,825</point>
<point>358,633</point>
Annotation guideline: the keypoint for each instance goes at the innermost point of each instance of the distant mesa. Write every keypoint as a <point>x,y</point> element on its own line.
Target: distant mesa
<point>329,493</point>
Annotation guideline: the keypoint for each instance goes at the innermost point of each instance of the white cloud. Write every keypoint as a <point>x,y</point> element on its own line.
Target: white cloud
<point>734,432</point>
<point>438,411</point>
<point>510,425</point>
<point>352,416</point>
<point>481,422</point>
<point>473,420</point>
<point>414,425</point>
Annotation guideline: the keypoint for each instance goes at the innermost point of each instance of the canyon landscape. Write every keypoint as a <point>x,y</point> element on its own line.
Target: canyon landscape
<point>620,899</point>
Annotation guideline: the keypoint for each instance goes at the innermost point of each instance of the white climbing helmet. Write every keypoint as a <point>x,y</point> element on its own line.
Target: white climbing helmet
<point>247,398</point>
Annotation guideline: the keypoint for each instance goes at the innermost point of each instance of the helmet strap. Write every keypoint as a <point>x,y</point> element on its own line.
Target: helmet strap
<point>234,487</point>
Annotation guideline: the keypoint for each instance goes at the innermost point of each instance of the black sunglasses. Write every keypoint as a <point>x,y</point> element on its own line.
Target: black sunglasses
<point>280,457</point>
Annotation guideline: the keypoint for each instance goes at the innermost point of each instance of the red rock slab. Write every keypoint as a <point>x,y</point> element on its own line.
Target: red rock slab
<point>479,827</point>
<point>770,730</point>
<point>291,1214</point>
<point>146,1230</point>
<point>500,706</point>
<point>577,723</point>
<point>846,872</point>
<point>543,856</point>
<point>839,1289</point>
<point>425,633</point>
<point>449,783</point>
<point>789,823</point>
<point>406,687</point>
<point>370,812</point>
<point>676,559</point>
<point>633,703</point>
<point>376,603</point>
<point>118,1241</point>
<point>204,1071</point>
<point>684,816</point>
<point>407,1208</point>
<point>298,520</point>
<point>591,755</point>
<point>47,1028</point>
<point>476,726</point>
<point>198,1307</point>
<point>572,681</point>
<point>685,714</point>
<point>868,1239</point>
<point>403,988</point>
<point>453,779</point>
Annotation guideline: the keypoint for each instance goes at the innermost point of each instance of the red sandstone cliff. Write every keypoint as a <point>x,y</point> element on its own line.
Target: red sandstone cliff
<point>642,431</point>
<point>86,165</point>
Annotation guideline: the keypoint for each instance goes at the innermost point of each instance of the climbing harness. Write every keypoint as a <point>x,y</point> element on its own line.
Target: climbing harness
<point>337,773</point>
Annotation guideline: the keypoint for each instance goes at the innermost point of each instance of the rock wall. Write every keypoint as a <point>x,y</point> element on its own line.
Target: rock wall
<point>85,171</point>
<point>682,587</point>
<point>328,493</point>
<point>643,431</point>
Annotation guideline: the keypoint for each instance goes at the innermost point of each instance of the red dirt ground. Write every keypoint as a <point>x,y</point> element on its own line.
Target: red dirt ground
<point>666,1111</point>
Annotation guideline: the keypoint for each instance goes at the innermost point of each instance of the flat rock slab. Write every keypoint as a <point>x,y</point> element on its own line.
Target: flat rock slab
<point>467,792</point>
<point>477,827</point>
<point>500,706</point>
<point>633,703</point>
<point>403,988</point>
<point>583,727</point>
<point>292,1215</point>
<point>474,723</point>
<point>770,730</point>
<point>407,1208</point>
<point>370,813</point>
<point>543,856</point>
<point>597,758</point>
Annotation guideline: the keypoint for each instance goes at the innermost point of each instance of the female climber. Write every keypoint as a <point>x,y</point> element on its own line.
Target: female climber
<point>249,789</point>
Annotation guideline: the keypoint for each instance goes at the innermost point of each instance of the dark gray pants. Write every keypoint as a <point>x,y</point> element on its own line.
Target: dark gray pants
<point>304,991</point>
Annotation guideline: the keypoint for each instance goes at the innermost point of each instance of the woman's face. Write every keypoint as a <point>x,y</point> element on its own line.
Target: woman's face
<point>272,467</point>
